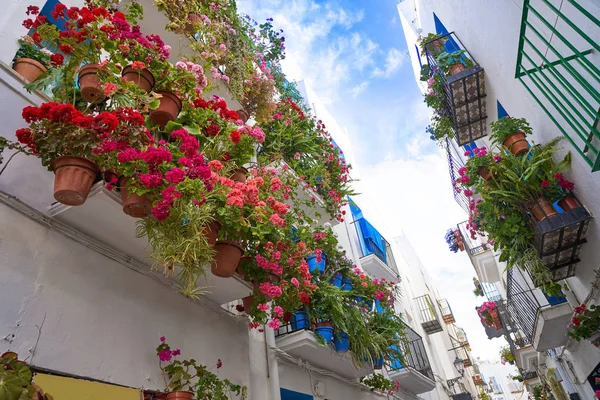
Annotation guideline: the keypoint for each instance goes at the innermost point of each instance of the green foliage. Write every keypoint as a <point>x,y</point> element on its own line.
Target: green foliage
<point>434,48</point>
<point>377,382</point>
<point>15,380</point>
<point>447,60</point>
<point>507,355</point>
<point>29,50</point>
<point>585,323</point>
<point>506,126</point>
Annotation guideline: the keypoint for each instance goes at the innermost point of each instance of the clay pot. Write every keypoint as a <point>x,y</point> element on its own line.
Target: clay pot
<point>323,323</point>
<point>134,205</point>
<point>247,302</point>
<point>169,108</point>
<point>542,209</point>
<point>456,68</point>
<point>244,115</point>
<point>29,68</point>
<point>568,203</point>
<point>194,19</point>
<point>144,78</point>
<point>437,45</point>
<point>240,175</point>
<point>516,143</point>
<point>180,395</point>
<point>73,179</point>
<point>461,246</point>
<point>90,85</point>
<point>211,232</point>
<point>110,176</point>
<point>485,173</point>
<point>227,259</point>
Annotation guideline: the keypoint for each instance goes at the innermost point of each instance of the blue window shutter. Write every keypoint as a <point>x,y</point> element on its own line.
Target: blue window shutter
<point>46,11</point>
<point>418,56</point>
<point>439,27</point>
<point>501,111</point>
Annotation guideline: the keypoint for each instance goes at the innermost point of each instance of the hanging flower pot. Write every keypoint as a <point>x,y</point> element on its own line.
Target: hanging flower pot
<point>29,68</point>
<point>110,176</point>
<point>211,231</point>
<point>240,175</point>
<point>134,205</point>
<point>193,20</point>
<point>227,259</point>
<point>542,209</point>
<point>516,143</point>
<point>313,264</point>
<point>568,203</point>
<point>169,108</point>
<point>90,85</point>
<point>180,395</point>
<point>73,179</point>
<point>143,78</point>
<point>247,302</point>
<point>244,115</point>
<point>485,173</point>
<point>495,319</point>
<point>457,68</point>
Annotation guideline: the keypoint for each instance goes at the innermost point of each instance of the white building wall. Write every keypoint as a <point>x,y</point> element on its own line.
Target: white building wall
<point>500,373</point>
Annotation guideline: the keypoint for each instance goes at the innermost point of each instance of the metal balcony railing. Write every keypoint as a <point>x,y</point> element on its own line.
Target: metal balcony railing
<point>475,246</point>
<point>369,246</point>
<point>414,354</point>
<point>447,314</point>
<point>521,303</point>
<point>558,66</point>
<point>429,317</point>
<point>456,162</point>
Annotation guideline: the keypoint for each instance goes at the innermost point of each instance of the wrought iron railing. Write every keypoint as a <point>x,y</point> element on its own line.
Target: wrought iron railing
<point>368,246</point>
<point>456,162</point>
<point>558,66</point>
<point>428,314</point>
<point>446,310</point>
<point>372,248</point>
<point>521,303</point>
<point>474,246</point>
<point>414,354</point>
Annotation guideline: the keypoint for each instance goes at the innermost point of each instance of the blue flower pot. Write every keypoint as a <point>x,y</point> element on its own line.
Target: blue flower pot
<point>378,364</point>
<point>347,284</point>
<point>341,342</point>
<point>336,280</point>
<point>313,264</point>
<point>326,332</point>
<point>299,321</point>
<point>555,300</point>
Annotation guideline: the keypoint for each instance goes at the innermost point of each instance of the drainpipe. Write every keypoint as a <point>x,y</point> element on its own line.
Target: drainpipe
<point>272,364</point>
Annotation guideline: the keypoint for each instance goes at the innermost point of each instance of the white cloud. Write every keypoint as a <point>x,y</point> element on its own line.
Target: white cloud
<point>393,61</point>
<point>359,89</point>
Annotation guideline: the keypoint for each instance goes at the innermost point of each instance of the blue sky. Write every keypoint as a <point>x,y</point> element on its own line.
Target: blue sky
<point>352,54</point>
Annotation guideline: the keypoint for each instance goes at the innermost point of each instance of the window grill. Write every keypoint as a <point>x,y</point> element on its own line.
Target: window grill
<point>558,66</point>
<point>455,162</point>
<point>447,314</point>
<point>521,303</point>
<point>413,354</point>
<point>429,317</point>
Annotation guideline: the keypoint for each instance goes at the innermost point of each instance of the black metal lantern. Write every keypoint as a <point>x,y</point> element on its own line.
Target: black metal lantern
<point>464,89</point>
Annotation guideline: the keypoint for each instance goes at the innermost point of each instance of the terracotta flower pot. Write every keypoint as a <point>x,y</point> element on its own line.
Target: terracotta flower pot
<point>542,209</point>
<point>496,319</point>
<point>169,108</point>
<point>193,20</point>
<point>568,203</point>
<point>211,232</point>
<point>247,302</point>
<point>323,323</point>
<point>457,68</point>
<point>516,143</point>
<point>73,179</point>
<point>485,173</point>
<point>110,176</point>
<point>134,205</point>
<point>29,68</point>
<point>437,45</point>
<point>461,246</point>
<point>90,85</point>
<point>240,175</point>
<point>244,115</point>
<point>227,259</point>
<point>144,78</point>
<point>180,395</point>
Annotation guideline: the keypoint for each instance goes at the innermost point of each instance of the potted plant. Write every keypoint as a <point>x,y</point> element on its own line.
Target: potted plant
<point>506,356</point>
<point>378,382</point>
<point>558,189</point>
<point>480,163</point>
<point>16,380</point>
<point>453,63</point>
<point>511,132</point>
<point>451,241</point>
<point>585,324</point>
<point>478,291</point>
<point>186,379</point>
<point>434,43</point>
<point>30,62</point>
<point>488,313</point>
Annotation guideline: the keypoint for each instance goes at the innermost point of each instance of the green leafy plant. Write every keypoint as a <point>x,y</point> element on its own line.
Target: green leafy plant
<point>585,322</point>
<point>447,60</point>
<point>16,378</point>
<point>377,382</point>
<point>506,126</point>
<point>434,42</point>
<point>507,356</point>
<point>28,49</point>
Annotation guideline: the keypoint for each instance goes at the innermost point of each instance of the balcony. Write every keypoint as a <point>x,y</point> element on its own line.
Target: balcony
<point>414,371</point>
<point>542,319</point>
<point>102,218</point>
<point>447,315</point>
<point>465,89</point>
<point>429,318</point>
<point>377,258</point>
<point>455,157</point>
<point>481,255</point>
<point>478,380</point>
<point>301,343</point>
<point>557,63</point>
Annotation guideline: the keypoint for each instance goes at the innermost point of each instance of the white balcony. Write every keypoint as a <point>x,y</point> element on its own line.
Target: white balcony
<point>375,267</point>
<point>102,218</point>
<point>412,380</point>
<point>486,266</point>
<point>302,344</point>
<point>550,328</point>
<point>526,358</point>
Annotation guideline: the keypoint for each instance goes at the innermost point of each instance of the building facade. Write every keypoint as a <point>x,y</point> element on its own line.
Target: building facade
<point>535,60</point>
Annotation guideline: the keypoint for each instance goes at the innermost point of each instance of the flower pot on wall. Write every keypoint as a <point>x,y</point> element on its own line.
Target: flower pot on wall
<point>347,284</point>
<point>211,231</point>
<point>378,364</point>
<point>341,342</point>
<point>226,259</point>
<point>144,78</point>
<point>247,302</point>
<point>299,321</point>
<point>73,179</point>
<point>240,175</point>
<point>244,115</point>
<point>29,68</point>
<point>134,205</point>
<point>336,280</point>
<point>542,209</point>
<point>568,203</point>
<point>168,110</point>
<point>457,68</point>
<point>325,330</point>
<point>516,143</point>
<point>485,173</point>
<point>90,85</point>
<point>313,264</point>
<point>180,395</point>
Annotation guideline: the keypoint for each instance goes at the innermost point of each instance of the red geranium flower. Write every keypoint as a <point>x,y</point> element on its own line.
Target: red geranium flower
<point>66,49</point>
<point>235,137</point>
<point>57,59</point>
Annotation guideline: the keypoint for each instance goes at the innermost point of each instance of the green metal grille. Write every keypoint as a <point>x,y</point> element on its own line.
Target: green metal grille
<point>558,66</point>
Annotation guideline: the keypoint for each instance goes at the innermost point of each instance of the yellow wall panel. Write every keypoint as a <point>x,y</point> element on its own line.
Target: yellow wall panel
<point>62,388</point>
